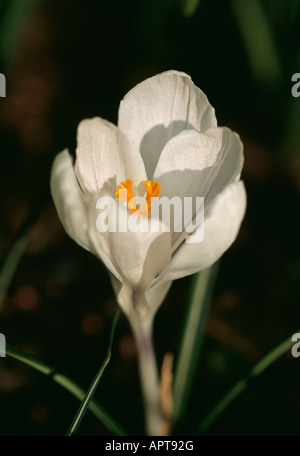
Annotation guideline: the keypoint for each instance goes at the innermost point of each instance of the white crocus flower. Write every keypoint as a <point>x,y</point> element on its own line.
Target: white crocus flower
<point>167,133</point>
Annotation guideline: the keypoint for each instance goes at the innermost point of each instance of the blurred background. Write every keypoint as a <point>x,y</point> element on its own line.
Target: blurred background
<point>66,60</point>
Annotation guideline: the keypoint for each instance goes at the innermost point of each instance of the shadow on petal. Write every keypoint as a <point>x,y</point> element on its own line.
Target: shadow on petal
<point>155,140</point>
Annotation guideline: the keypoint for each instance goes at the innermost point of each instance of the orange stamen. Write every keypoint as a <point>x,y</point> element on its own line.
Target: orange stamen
<point>125,193</point>
<point>152,190</point>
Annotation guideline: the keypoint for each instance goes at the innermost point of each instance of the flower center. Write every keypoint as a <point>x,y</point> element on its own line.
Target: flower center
<point>125,193</point>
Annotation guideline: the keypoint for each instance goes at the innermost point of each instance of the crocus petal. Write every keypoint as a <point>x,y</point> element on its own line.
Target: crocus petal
<point>156,294</point>
<point>73,211</point>
<point>105,155</point>
<point>68,199</point>
<point>99,247</point>
<point>138,256</point>
<point>199,164</point>
<point>161,107</point>
<point>221,227</point>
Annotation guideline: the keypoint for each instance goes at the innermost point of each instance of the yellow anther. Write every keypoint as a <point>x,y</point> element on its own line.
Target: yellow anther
<point>125,193</point>
<point>152,190</point>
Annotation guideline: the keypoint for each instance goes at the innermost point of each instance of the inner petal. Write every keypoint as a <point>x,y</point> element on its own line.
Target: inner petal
<point>160,108</point>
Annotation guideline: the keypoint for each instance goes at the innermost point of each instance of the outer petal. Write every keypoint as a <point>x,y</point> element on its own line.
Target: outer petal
<point>105,155</point>
<point>199,164</point>
<point>73,211</point>
<point>137,256</point>
<point>156,294</point>
<point>161,107</point>
<point>99,246</point>
<point>68,199</point>
<point>153,297</point>
<point>221,227</point>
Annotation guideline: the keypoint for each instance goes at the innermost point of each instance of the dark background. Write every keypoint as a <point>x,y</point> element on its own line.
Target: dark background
<point>66,60</point>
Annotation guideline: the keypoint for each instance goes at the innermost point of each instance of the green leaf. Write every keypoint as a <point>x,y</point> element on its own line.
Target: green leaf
<point>258,40</point>
<point>101,414</point>
<point>189,7</point>
<point>10,265</point>
<point>90,393</point>
<point>16,12</point>
<point>202,288</point>
<point>241,385</point>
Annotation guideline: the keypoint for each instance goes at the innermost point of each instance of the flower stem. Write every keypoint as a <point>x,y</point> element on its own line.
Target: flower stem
<point>149,377</point>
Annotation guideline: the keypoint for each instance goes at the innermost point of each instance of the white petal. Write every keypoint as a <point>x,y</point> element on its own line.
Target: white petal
<point>156,294</point>
<point>138,256</point>
<point>221,227</point>
<point>199,164</point>
<point>116,284</point>
<point>134,305</point>
<point>72,211</point>
<point>68,199</point>
<point>140,307</point>
<point>161,107</point>
<point>105,156</point>
<point>100,247</point>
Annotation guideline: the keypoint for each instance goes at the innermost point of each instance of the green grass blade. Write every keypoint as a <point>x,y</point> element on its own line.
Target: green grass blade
<point>202,288</point>
<point>29,360</point>
<point>89,395</point>
<point>241,385</point>
<point>70,386</point>
<point>10,265</point>
<point>189,7</point>
<point>15,14</point>
<point>258,40</point>
<point>99,412</point>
